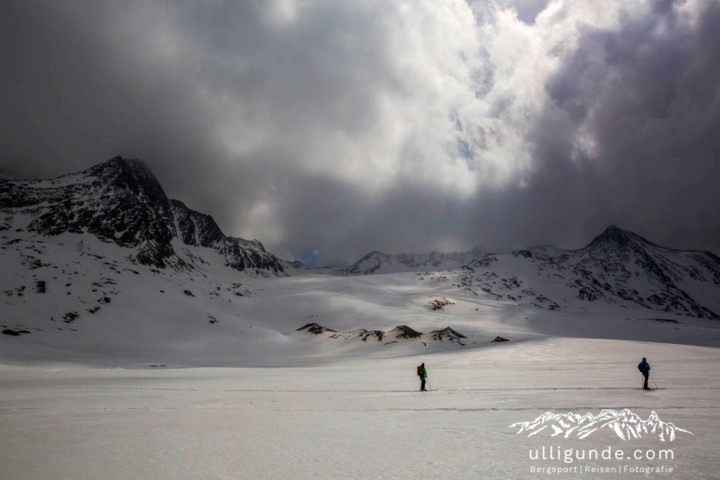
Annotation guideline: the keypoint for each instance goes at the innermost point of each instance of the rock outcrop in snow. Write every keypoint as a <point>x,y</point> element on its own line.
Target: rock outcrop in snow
<point>397,334</point>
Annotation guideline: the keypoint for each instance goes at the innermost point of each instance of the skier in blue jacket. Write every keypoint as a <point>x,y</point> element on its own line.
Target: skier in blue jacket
<point>644,368</point>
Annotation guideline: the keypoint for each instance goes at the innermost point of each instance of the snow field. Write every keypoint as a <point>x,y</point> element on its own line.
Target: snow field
<point>355,418</point>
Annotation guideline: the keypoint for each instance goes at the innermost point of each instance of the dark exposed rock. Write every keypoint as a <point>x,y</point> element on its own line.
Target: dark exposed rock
<point>314,328</point>
<point>447,334</point>
<point>377,334</point>
<point>403,331</point>
<point>195,228</point>
<point>440,303</point>
<point>499,339</point>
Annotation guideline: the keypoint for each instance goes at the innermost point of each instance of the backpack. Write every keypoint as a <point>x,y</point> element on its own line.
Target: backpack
<point>419,370</point>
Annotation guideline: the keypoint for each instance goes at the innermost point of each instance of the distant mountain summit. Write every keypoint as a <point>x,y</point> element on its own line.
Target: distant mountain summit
<point>122,202</point>
<point>378,262</point>
<point>614,235</point>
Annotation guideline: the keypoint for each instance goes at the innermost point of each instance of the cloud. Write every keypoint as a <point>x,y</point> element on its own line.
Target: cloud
<point>639,101</point>
<point>344,127</point>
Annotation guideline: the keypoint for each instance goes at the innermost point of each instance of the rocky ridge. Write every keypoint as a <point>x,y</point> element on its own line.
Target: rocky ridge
<point>122,202</point>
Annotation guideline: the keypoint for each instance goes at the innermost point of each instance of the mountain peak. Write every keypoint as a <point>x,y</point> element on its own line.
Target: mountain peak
<point>615,235</point>
<point>128,170</point>
<point>378,262</point>
<point>119,160</point>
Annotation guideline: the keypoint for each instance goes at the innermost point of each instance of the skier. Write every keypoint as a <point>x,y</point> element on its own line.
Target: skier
<point>644,368</point>
<point>422,373</point>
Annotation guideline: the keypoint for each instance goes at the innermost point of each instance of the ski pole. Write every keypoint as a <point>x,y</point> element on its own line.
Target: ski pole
<point>653,380</point>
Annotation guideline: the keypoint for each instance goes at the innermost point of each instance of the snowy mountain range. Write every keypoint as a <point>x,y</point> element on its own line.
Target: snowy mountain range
<point>378,262</point>
<point>122,202</point>
<point>101,264</point>
<point>625,424</point>
<point>617,268</point>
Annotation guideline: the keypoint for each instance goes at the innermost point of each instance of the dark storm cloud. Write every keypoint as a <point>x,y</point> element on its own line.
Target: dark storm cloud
<point>639,112</point>
<point>79,94</point>
<point>346,127</point>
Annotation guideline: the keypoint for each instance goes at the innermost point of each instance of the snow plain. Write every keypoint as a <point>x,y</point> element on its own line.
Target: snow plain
<point>356,418</point>
<point>148,387</point>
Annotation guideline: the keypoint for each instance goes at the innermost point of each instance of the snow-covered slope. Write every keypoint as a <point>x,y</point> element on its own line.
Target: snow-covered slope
<point>74,298</point>
<point>121,202</point>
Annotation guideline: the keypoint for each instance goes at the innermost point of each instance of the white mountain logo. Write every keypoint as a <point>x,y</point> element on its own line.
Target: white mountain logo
<point>626,425</point>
